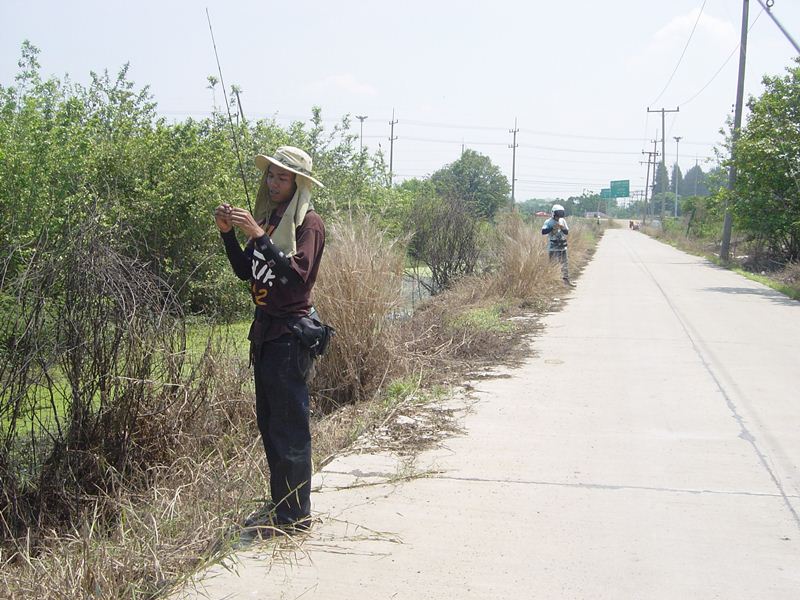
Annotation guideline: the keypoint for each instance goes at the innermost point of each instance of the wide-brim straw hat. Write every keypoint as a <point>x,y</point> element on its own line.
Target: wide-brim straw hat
<point>290,158</point>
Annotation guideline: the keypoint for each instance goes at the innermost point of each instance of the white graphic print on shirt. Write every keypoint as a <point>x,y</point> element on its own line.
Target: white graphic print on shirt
<point>261,270</point>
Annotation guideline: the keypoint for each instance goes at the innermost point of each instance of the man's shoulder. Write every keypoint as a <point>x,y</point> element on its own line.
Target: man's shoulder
<point>312,220</point>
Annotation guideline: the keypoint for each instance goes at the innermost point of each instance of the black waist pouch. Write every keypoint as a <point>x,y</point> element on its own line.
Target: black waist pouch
<point>312,333</point>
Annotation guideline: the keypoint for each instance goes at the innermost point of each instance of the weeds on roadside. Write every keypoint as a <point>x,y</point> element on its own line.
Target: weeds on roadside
<point>136,541</point>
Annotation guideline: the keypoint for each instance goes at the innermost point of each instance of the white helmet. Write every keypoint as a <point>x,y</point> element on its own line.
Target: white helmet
<point>557,207</point>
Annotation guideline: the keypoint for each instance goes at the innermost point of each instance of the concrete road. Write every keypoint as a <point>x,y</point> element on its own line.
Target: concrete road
<point>648,448</point>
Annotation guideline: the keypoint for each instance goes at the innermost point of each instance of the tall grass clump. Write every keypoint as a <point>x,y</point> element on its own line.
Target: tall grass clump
<point>523,270</point>
<point>359,292</point>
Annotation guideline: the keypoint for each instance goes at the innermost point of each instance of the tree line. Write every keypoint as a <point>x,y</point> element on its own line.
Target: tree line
<point>71,153</point>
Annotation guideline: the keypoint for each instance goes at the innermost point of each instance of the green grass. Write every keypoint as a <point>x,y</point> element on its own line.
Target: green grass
<point>778,286</point>
<point>197,335</point>
<point>419,269</point>
<point>401,389</point>
<point>484,318</point>
<point>42,411</point>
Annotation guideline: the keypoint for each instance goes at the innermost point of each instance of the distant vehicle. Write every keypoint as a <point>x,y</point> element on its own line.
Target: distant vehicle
<point>541,213</point>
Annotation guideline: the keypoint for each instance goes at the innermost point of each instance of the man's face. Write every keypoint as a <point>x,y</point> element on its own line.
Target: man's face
<point>280,184</point>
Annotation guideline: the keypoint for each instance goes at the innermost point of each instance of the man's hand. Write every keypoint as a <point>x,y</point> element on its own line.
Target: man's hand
<point>222,217</point>
<point>556,225</point>
<point>242,219</point>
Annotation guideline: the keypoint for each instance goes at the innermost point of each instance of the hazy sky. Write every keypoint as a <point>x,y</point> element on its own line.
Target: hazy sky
<point>577,75</point>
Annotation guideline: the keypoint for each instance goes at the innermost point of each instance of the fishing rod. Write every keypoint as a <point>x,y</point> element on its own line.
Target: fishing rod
<point>230,119</point>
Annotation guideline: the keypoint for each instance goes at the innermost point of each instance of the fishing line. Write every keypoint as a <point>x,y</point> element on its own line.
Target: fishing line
<point>230,119</point>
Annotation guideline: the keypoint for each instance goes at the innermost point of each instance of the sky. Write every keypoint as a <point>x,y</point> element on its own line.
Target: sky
<point>577,77</point>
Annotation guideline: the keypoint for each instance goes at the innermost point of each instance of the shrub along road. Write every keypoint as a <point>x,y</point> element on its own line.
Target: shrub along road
<point>647,448</point>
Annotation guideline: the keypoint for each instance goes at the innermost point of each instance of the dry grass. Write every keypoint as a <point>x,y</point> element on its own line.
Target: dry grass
<point>184,519</point>
<point>524,272</point>
<point>358,291</point>
<point>467,325</point>
<point>790,275</point>
<point>188,518</point>
<point>158,533</point>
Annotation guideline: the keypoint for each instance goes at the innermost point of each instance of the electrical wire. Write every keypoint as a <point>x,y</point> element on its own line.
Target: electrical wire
<point>727,60</point>
<point>675,70</point>
<point>550,148</point>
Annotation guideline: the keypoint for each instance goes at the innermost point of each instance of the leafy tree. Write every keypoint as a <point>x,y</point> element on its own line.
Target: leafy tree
<point>446,237</point>
<point>667,199</point>
<point>766,199</point>
<point>694,183</point>
<point>677,178</point>
<point>534,205</point>
<point>589,202</point>
<point>474,180</point>
<point>662,178</point>
<point>703,216</point>
<point>68,150</point>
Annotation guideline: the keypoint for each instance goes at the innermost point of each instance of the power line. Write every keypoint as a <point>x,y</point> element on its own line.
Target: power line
<point>565,181</point>
<point>531,131</point>
<point>768,8</point>
<point>452,125</point>
<point>730,56</point>
<point>551,148</point>
<point>675,70</point>
<point>582,137</point>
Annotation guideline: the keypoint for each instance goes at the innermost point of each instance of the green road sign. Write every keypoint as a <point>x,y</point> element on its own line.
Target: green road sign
<point>606,193</point>
<point>621,188</point>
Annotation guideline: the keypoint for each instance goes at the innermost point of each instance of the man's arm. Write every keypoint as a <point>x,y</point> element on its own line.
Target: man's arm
<point>236,256</point>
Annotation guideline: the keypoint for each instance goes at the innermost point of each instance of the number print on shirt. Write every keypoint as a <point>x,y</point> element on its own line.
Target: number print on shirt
<point>259,295</point>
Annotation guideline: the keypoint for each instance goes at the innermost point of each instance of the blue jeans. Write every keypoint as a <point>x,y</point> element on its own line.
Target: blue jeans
<point>561,257</point>
<point>281,367</point>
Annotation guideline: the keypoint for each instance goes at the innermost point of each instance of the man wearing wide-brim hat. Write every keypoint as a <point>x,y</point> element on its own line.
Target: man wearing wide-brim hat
<point>281,258</point>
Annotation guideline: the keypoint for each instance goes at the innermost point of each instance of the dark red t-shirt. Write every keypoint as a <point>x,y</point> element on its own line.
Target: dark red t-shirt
<point>278,297</point>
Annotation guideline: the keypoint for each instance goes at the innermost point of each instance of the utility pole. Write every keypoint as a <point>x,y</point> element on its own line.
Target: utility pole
<point>696,178</point>
<point>663,111</point>
<point>663,130</point>
<point>653,188</point>
<point>646,184</point>
<point>724,248</point>
<point>392,138</point>
<point>677,139</point>
<point>651,158</point>
<point>361,118</point>
<point>513,147</point>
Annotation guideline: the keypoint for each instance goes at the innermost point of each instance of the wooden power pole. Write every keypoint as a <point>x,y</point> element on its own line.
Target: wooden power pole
<point>725,245</point>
